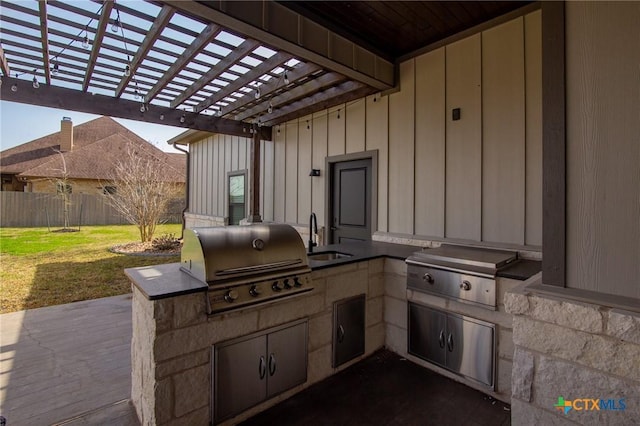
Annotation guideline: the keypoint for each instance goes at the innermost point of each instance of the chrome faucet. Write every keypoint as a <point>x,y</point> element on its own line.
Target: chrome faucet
<point>313,232</point>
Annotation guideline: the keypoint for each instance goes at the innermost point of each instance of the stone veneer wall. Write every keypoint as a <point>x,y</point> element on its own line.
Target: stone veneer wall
<point>200,221</point>
<point>172,339</point>
<point>395,315</point>
<point>575,350</point>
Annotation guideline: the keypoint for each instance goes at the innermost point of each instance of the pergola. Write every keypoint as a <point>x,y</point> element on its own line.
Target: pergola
<point>232,67</point>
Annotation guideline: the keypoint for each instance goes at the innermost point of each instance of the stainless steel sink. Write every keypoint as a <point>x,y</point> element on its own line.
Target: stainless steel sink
<point>325,256</point>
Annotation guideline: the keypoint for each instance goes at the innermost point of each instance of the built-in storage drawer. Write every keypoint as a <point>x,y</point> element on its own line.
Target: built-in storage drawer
<point>348,329</point>
<point>251,369</point>
<point>456,342</point>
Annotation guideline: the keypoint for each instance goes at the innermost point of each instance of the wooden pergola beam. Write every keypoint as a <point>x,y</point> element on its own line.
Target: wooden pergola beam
<point>74,100</point>
<point>239,52</point>
<point>6,70</point>
<point>208,34</point>
<point>299,92</point>
<point>107,6</point>
<point>44,38</point>
<point>299,72</point>
<point>154,32</point>
<point>343,93</point>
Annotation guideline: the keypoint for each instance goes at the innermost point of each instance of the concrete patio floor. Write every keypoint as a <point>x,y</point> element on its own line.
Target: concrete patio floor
<point>67,364</point>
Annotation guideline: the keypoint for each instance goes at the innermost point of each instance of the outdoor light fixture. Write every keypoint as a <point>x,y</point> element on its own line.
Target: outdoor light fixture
<point>270,109</point>
<point>161,117</point>
<point>257,95</point>
<point>286,78</point>
<point>55,69</point>
<point>127,70</point>
<point>182,118</point>
<point>116,24</point>
<point>14,87</point>
<point>85,41</point>
<point>35,83</point>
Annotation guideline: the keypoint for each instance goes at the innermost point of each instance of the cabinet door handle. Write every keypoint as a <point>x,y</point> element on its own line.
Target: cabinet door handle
<point>272,364</point>
<point>340,333</point>
<point>450,342</point>
<point>262,368</point>
<point>441,339</point>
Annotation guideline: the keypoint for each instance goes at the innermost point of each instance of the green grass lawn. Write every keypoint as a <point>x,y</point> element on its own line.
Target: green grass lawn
<point>41,268</point>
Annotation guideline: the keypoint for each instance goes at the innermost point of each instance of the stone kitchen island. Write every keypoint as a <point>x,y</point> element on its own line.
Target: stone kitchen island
<point>173,337</point>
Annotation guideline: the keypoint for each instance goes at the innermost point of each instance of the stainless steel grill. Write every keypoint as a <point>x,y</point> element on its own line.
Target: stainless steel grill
<point>246,265</point>
<point>466,274</point>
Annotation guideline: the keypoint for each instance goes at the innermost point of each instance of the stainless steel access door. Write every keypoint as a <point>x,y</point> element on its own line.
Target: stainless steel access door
<point>470,348</point>
<point>458,343</point>
<point>286,359</point>
<point>240,376</point>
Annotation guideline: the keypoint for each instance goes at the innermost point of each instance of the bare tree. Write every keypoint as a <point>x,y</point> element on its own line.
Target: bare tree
<point>141,191</point>
<point>63,190</point>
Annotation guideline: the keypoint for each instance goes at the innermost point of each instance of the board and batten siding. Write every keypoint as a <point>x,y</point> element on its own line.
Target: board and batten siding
<point>211,160</point>
<point>473,179</point>
<point>603,147</point>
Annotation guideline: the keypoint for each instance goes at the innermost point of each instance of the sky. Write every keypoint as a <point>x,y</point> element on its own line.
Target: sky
<point>21,123</point>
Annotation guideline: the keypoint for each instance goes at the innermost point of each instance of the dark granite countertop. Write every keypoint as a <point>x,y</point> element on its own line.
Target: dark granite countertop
<point>162,281</point>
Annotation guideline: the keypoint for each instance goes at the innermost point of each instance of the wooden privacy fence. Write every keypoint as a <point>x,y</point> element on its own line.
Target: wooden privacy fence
<point>29,209</point>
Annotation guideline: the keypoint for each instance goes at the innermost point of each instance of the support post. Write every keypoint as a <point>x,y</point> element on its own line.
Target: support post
<point>254,187</point>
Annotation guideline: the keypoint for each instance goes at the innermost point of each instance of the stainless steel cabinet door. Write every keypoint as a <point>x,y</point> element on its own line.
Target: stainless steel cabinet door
<point>286,359</point>
<point>470,348</point>
<point>240,376</point>
<point>427,334</point>
<point>348,329</point>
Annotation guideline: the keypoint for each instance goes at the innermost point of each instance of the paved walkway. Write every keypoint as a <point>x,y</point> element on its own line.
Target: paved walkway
<point>67,364</point>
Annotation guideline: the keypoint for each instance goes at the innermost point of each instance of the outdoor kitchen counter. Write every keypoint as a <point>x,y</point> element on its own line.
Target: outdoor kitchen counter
<point>520,270</point>
<point>162,281</point>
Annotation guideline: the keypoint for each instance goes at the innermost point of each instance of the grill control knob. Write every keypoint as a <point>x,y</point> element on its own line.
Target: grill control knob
<point>296,282</point>
<point>254,291</point>
<point>286,284</point>
<point>277,286</point>
<point>465,285</point>
<point>231,296</point>
<point>428,278</point>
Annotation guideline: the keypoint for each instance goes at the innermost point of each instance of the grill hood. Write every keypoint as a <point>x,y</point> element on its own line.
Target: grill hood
<point>243,253</point>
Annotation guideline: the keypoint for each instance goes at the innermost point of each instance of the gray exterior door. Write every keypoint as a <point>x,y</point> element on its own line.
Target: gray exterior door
<point>350,201</point>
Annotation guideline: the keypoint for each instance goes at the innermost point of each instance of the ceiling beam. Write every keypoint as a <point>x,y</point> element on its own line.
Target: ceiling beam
<point>351,91</point>
<point>298,72</point>
<point>291,95</point>
<point>283,29</point>
<point>205,37</point>
<point>152,35</point>
<point>74,100</point>
<point>6,70</point>
<point>228,61</point>
<point>107,6</point>
<point>44,37</point>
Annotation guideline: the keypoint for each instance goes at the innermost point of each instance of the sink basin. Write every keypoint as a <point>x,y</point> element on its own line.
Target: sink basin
<point>327,255</point>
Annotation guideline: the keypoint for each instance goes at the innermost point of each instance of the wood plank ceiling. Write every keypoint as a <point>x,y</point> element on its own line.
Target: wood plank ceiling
<point>155,61</point>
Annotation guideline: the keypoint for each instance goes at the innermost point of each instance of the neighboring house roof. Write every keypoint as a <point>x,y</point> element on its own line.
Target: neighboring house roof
<point>97,146</point>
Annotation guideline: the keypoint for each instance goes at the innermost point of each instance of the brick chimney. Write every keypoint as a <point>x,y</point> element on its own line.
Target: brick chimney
<point>66,134</point>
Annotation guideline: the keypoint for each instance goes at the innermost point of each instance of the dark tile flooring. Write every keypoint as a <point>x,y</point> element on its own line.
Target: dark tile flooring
<point>385,389</point>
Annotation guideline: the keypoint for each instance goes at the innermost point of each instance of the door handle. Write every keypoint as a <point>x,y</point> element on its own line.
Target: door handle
<point>441,339</point>
<point>262,368</point>
<point>450,343</point>
<point>340,333</point>
<point>272,364</point>
<point>333,228</point>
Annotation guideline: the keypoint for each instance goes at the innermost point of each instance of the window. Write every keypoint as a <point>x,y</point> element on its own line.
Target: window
<point>63,188</point>
<point>237,197</point>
